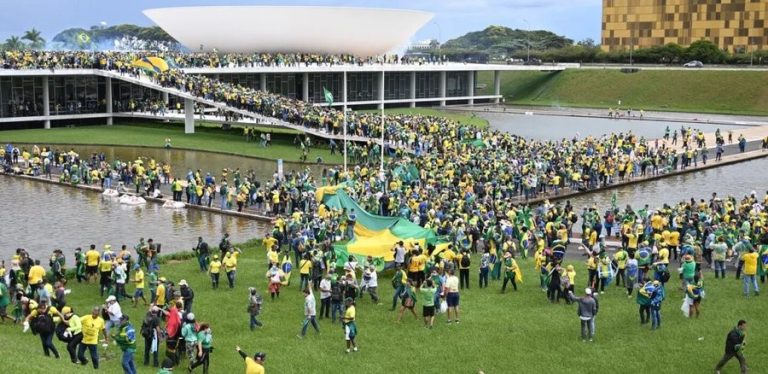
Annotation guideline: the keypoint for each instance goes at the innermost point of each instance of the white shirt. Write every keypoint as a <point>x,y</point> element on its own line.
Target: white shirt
<point>373,280</point>
<point>120,274</point>
<point>325,288</point>
<point>309,305</point>
<point>399,254</point>
<point>115,312</point>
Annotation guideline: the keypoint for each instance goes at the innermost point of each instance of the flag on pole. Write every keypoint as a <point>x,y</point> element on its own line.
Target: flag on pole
<point>613,201</point>
<point>328,96</point>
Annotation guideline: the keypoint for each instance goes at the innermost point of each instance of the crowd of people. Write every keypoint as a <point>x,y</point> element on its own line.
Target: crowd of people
<point>725,234</point>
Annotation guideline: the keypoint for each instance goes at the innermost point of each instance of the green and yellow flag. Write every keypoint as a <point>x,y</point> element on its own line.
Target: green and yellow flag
<point>328,96</point>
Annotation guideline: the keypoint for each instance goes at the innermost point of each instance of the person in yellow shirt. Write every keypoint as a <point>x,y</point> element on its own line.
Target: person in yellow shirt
<point>230,267</point>
<point>750,271</point>
<point>160,292</point>
<point>214,269</point>
<point>350,327</point>
<point>674,243</point>
<point>36,274</point>
<point>621,256</point>
<point>253,365</point>
<point>105,271</point>
<point>138,281</point>
<point>92,326</point>
<point>305,267</point>
<point>44,330</point>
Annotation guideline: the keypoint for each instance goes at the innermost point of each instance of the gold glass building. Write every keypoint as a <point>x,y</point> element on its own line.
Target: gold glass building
<point>733,25</point>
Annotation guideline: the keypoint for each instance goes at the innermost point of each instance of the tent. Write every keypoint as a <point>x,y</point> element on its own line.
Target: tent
<point>375,235</point>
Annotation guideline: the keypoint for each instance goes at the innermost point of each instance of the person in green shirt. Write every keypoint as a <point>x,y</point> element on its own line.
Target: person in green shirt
<point>409,301</point>
<point>167,367</point>
<point>189,333</point>
<point>5,299</point>
<point>427,295</point>
<point>152,281</point>
<point>74,332</point>
<point>126,340</point>
<point>205,338</point>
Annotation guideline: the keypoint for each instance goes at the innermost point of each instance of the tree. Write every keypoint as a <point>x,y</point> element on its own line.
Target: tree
<point>14,43</point>
<point>35,39</point>
<point>705,51</point>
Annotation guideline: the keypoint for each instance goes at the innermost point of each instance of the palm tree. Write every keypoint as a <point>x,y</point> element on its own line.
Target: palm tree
<point>35,39</point>
<point>14,43</point>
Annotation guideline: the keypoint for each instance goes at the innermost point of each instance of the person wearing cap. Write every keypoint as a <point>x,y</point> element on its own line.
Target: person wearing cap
<point>253,365</point>
<point>160,292</point>
<point>121,275</point>
<point>192,345</point>
<point>115,312</point>
<point>138,281</point>
<point>750,269</point>
<point>126,340</point>
<point>350,327</point>
<point>38,318</point>
<point>187,295</point>
<point>214,269</point>
<point>371,282</point>
<point>254,307</point>
<point>92,326</point>
<point>73,331</point>
<point>105,274</point>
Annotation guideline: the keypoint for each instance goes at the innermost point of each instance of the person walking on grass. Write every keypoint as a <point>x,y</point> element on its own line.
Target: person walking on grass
<point>587,312</point>
<point>350,327</point>
<point>138,281</point>
<point>309,313</point>
<point>126,340</point>
<point>451,291</point>
<point>408,298</point>
<point>510,272</point>
<point>427,295</point>
<point>253,365</point>
<point>254,307</point>
<point>734,347</point>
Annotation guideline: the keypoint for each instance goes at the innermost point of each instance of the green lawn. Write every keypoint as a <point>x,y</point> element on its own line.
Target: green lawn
<point>732,92</point>
<point>154,135</point>
<point>517,332</point>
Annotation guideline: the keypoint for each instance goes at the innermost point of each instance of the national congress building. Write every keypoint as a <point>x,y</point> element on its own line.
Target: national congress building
<point>733,25</point>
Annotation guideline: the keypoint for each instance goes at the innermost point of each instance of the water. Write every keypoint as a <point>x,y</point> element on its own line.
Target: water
<point>50,216</point>
<point>559,127</point>
<point>737,180</point>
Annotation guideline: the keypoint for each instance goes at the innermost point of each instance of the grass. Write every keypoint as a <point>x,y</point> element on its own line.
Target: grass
<point>728,92</point>
<point>514,332</point>
<point>154,134</point>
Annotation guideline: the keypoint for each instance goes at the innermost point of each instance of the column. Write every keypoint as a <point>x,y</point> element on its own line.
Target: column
<point>344,89</point>
<point>496,85</point>
<point>471,87</point>
<point>166,101</point>
<point>413,89</point>
<point>46,103</point>
<point>165,98</point>
<point>305,88</point>
<point>189,116</point>
<point>442,88</point>
<point>381,90</point>
<point>108,99</point>
<point>263,79</point>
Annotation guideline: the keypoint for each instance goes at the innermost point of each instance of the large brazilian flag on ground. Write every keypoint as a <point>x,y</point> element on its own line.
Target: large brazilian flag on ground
<point>375,235</point>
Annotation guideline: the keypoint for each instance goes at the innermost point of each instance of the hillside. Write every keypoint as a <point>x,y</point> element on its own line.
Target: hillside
<point>497,41</point>
<point>732,92</point>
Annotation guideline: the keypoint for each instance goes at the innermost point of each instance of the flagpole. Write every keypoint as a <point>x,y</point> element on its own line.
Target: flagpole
<point>345,138</point>
<point>381,165</point>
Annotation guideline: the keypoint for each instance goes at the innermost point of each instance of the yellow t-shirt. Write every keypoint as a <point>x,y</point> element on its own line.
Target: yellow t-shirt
<point>215,266</point>
<point>674,238</point>
<point>92,258</point>
<point>269,242</point>
<point>36,274</point>
<point>105,266</point>
<point>349,314</point>
<point>664,256</point>
<point>139,279</point>
<point>305,266</point>
<point>230,263</point>
<point>160,295</point>
<point>253,367</point>
<point>91,328</point>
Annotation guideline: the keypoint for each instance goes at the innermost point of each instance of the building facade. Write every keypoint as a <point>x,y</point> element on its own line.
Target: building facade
<point>734,25</point>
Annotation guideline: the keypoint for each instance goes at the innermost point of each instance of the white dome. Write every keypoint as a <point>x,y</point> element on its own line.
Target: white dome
<point>323,30</point>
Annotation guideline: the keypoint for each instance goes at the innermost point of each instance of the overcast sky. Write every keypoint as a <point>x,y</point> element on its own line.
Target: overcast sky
<point>576,19</point>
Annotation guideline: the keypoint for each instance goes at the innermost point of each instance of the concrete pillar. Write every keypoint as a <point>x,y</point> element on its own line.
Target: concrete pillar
<point>263,84</point>
<point>496,85</point>
<point>46,103</point>
<point>165,98</point>
<point>471,87</point>
<point>413,89</point>
<point>442,88</point>
<point>305,88</point>
<point>381,90</point>
<point>108,99</point>
<point>189,116</point>
<point>344,89</point>
<point>166,101</point>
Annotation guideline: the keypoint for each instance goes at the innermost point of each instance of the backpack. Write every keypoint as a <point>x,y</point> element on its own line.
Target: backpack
<point>665,276</point>
<point>147,326</point>
<point>43,323</point>
<point>465,261</point>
